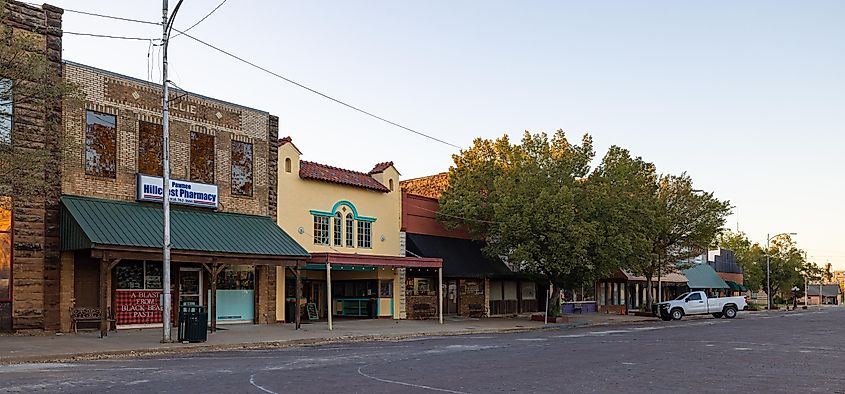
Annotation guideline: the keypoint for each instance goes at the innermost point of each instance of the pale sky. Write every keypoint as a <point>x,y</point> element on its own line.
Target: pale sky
<point>747,97</point>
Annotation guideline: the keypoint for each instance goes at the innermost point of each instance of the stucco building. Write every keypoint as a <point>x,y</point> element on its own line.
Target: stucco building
<point>350,222</point>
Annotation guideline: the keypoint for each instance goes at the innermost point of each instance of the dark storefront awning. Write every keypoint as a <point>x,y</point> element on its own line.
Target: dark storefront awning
<point>196,234</point>
<point>349,261</point>
<point>462,258</point>
<point>703,276</point>
<point>736,286</point>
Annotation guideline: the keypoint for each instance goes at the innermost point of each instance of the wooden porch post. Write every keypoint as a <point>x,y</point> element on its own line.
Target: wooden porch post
<point>297,314</point>
<point>440,292</point>
<point>105,289</point>
<point>329,291</point>
<point>214,270</point>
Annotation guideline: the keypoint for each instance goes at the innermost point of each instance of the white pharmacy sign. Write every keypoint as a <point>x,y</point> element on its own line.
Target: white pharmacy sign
<point>150,188</point>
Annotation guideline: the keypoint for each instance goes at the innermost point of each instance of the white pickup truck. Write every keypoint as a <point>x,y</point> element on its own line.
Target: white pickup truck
<point>697,303</point>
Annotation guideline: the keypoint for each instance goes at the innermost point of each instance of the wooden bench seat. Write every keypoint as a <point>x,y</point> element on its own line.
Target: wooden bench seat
<point>86,314</point>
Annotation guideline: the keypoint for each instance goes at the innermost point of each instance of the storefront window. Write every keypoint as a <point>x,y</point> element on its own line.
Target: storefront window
<point>336,227</point>
<point>236,277</point>
<point>202,157</point>
<point>241,168</point>
<point>138,275</point>
<point>100,144</point>
<point>150,151</point>
<point>354,288</point>
<point>529,290</point>
<point>350,225</point>
<point>472,287</point>
<point>385,288</point>
<point>420,286</point>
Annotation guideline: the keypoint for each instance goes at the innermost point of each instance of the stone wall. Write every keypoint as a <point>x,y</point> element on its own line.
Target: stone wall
<point>35,261</point>
<point>130,101</point>
<point>412,300</point>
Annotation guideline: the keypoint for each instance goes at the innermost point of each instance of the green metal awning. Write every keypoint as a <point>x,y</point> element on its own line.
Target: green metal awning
<point>90,223</point>
<point>733,285</point>
<point>703,276</point>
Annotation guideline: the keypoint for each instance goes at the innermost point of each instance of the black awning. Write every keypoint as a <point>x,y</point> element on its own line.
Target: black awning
<point>462,258</point>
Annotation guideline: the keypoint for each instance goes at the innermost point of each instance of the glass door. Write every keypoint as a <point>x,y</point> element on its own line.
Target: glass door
<point>190,286</point>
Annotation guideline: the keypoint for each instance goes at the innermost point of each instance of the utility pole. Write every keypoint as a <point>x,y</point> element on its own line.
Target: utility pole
<point>165,130</point>
<point>166,26</point>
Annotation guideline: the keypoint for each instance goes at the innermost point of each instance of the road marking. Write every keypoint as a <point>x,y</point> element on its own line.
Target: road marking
<point>710,345</point>
<point>626,363</point>
<point>134,382</point>
<point>532,339</point>
<point>742,348</point>
<point>648,328</point>
<point>419,386</point>
<point>609,332</point>
<point>571,336</point>
<point>256,385</point>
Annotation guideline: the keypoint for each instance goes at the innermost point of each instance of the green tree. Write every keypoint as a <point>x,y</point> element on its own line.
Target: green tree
<point>28,84</point>
<point>788,267</point>
<point>525,201</point>
<point>686,223</point>
<point>751,257</point>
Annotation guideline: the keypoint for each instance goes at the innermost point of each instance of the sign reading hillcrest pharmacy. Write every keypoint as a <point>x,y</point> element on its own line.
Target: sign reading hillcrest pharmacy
<point>150,188</point>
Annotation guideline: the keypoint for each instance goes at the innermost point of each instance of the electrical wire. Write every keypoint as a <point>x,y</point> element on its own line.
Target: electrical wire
<point>324,95</point>
<point>106,36</point>
<point>312,90</point>
<point>200,21</point>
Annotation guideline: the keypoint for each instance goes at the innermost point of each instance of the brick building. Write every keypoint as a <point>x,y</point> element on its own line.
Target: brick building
<point>88,251</point>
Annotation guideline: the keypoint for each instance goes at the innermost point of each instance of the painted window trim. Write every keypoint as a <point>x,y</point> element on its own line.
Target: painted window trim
<point>338,205</point>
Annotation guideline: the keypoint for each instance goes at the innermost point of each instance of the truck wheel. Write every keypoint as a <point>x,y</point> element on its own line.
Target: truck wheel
<point>677,314</point>
<point>730,312</point>
<point>717,315</point>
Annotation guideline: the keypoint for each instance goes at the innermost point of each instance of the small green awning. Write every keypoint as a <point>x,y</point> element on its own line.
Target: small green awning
<point>703,276</point>
<point>734,286</point>
<point>89,223</point>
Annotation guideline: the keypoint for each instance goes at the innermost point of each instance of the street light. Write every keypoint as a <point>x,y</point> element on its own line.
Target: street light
<point>769,270</point>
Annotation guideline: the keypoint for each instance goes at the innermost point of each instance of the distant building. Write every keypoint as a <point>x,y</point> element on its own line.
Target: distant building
<point>723,261</point>
<point>830,294</point>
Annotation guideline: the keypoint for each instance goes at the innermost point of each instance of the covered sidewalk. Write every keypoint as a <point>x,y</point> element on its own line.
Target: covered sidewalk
<point>97,235</point>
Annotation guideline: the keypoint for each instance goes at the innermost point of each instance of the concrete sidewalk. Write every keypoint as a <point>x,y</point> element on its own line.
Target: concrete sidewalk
<point>86,345</point>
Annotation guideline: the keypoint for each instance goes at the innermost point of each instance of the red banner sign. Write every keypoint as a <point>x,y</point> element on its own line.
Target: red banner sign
<point>138,307</point>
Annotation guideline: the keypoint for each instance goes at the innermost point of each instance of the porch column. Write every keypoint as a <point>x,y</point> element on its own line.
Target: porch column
<point>440,293</point>
<point>297,314</point>
<point>329,291</point>
<point>215,271</point>
<point>105,289</point>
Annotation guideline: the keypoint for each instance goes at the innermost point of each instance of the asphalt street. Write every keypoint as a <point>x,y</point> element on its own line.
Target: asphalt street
<point>793,352</point>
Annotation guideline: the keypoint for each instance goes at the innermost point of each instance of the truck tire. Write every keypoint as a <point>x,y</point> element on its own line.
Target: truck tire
<point>677,314</point>
<point>730,311</point>
<point>717,315</point>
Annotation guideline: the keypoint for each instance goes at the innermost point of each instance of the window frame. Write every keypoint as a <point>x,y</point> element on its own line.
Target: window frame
<point>11,267</point>
<point>191,175</point>
<point>321,230</point>
<point>86,146</point>
<point>234,190</point>
<point>138,158</point>
<point>349,223</point>
<point>365,234</point>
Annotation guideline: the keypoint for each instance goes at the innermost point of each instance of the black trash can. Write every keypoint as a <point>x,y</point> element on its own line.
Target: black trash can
<point>372,305</point>
<point>193,323</point>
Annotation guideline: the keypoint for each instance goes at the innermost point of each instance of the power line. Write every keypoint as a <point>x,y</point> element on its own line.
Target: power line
<point>326,96</point>
<point>107,36</point>
<point>203,18</point>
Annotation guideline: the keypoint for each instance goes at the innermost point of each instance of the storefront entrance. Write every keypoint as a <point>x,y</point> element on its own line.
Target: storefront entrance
<point>190,286</point>
<point>451,297</point>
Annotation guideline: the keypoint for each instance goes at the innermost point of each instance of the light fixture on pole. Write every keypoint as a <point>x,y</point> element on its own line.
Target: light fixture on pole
<point>769,270</point>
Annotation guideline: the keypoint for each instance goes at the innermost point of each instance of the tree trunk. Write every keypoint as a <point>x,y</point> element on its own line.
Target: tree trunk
<point>648,298</point>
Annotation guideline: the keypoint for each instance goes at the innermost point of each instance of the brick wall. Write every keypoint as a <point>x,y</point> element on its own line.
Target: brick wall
<point>35,262</point>
<point>131,101</point>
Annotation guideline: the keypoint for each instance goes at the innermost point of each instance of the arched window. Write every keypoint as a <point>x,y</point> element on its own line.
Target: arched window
<point>390,183</point>
<point>338,241</point>
<point>287,164</point>
<point>350,226</point>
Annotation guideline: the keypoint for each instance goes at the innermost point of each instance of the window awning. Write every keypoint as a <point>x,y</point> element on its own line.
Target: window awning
<point>462,258</point>
<point>703,276</point>
<point>135,229</point>
<point>735,286</point>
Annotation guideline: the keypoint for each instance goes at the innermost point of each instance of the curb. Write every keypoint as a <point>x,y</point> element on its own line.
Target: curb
<point>124,354</point>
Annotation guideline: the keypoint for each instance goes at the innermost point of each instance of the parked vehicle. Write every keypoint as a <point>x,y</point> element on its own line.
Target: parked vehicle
<point>697,303</point>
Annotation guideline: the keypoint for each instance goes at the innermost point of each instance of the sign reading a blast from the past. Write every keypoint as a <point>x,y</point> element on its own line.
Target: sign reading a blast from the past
<point>138,307</point>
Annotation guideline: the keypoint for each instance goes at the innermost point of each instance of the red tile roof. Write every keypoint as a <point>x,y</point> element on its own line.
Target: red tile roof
<point>322,172</point>
<point>380,167</point>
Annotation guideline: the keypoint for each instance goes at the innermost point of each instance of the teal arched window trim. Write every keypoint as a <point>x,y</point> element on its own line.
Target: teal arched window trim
<point>338,205</point>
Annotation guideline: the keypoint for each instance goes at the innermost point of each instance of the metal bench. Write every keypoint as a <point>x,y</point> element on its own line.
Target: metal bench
<point>85,314</point>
